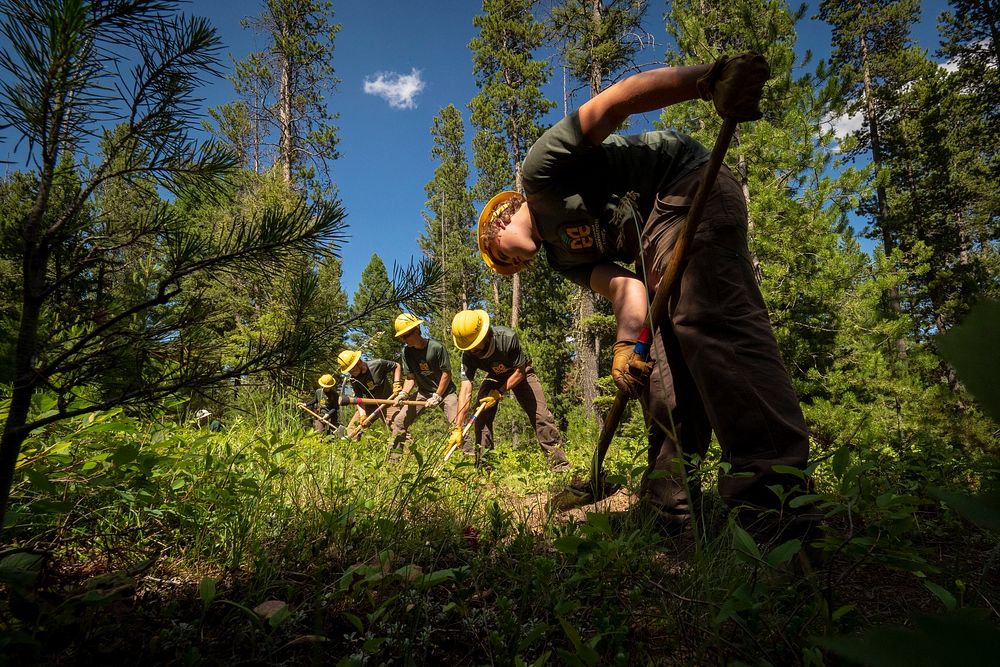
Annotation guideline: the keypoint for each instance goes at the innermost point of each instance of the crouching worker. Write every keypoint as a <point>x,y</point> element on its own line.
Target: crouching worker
<point>375,378</point>
<point>497,351</point>
<point>427,367</point>
<point>326,404</point>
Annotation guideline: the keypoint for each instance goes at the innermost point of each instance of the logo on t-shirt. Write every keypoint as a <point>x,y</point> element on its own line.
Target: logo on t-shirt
<point>371,384</point>
<point>425,367</point>
<point>579,237</point>
<point>498,367</point>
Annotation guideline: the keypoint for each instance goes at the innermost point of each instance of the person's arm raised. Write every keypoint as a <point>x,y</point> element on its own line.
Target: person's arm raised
<point>645,91</point>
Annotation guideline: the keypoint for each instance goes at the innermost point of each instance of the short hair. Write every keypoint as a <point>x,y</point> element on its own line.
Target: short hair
<point>502,213</point>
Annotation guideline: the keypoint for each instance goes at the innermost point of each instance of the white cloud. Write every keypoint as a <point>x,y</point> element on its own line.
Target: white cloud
<point>399,90</point>
<point>844,126</point>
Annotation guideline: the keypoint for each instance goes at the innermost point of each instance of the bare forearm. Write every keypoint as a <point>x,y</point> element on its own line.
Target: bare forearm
<point>443,383</point>
<point>627,295</point>
<point>515,379</point>
<point>645,91</point>
<point>464,396</point>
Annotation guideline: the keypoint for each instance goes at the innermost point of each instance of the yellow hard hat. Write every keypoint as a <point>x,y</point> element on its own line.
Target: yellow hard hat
<point>469,328</point>
<point>493,208</point>
<point>348,359</point>
<point>405,322</point>
<point>326,381</point>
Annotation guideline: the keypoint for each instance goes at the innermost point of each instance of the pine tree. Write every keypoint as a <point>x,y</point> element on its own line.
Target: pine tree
<point>595,42</point>
<point>508,107</point>
<point>874,54</point>
<point>285,90</point>
<point>373,332</point>
<point>69,70</point>
<point>449,235</point>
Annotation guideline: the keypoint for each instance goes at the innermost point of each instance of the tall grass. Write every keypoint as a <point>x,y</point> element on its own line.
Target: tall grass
<point>415,561</point>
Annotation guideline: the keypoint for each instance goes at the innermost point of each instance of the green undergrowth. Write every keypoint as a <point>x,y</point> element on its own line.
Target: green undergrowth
<point>138,540</point>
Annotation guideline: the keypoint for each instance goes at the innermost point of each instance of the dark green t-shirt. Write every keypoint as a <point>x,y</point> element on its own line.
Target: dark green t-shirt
<point>377,381</point>
<point>589,202</point>
<point>505,357</point>
<point>326,404</point>
<point>426,365</point>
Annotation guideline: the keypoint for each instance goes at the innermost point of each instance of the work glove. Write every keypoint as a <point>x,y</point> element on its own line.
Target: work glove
<point>490,399</point>
<point>341,431</point>
<point>435,399</point>
<point>397,387</point>
<point>629,371</point>
<point>455,439</point>
<point>735,84</point>
<point>398,399</point>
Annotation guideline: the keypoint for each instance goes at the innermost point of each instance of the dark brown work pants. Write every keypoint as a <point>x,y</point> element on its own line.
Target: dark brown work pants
<point>717,362</point>
<point>530,397</point>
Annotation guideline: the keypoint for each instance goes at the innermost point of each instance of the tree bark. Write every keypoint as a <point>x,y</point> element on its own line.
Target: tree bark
<point>285,116</point>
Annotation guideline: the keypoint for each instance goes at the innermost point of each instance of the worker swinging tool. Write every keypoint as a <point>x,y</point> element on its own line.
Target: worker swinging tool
<point>596,202</point>
<point>375,382</point>
<point>324,406</point>
<point>496,350</point>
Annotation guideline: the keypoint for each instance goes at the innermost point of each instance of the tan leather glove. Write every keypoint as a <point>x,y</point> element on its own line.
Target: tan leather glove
<point>455,439</point>
<point>629,371</point>
<point>735,84</point>
<point>397,387</point>
<point>490,399</point>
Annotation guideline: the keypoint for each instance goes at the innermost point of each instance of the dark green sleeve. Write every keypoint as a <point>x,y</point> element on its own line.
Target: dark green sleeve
<point>518,357</point>
<point>441,358</point>
<point>468,370</point>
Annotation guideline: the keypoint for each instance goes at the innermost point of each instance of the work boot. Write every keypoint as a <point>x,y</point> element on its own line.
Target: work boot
<point>558,462</point>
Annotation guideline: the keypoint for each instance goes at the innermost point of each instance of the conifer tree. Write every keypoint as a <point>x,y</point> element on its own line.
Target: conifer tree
<point>69,70</point>
<point>874,55</point>
<point>284,89</point>
<point>508,107</point>
<point>449,235</point>
<point>596,45</point>
<point>373,332</point>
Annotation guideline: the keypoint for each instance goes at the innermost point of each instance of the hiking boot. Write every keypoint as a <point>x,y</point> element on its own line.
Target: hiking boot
<point>559,465</point>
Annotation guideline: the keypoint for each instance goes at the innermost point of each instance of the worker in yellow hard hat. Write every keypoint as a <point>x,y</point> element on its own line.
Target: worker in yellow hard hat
<point>427,367</point>
<point>375,378</point>
<point>497,351</point>
<point>326,403</point>
<point>599,203</point>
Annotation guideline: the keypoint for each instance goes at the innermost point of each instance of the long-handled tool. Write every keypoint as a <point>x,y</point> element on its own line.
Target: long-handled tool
<point>302,406</point>
<point>465,429</point>
<point>347,400</point>
<point>596,488</point>
<point>366,421</point>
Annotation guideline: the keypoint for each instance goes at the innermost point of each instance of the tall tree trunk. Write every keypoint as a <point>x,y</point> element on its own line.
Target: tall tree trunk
<point>285,121</point>
<point>515,301</point>
<point>881,211</point>
<point>24,379</point>
<point>588,344</point>
<point>586,352</point>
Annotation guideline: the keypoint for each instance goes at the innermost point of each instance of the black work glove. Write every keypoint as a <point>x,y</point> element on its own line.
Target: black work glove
<point>735,84</point>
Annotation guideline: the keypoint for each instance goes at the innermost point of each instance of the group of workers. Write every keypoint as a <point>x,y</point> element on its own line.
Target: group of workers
<point>609,212</point>
<point>423,379</point>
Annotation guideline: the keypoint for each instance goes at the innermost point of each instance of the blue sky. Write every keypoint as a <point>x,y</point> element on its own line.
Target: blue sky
<point>385,128</point>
